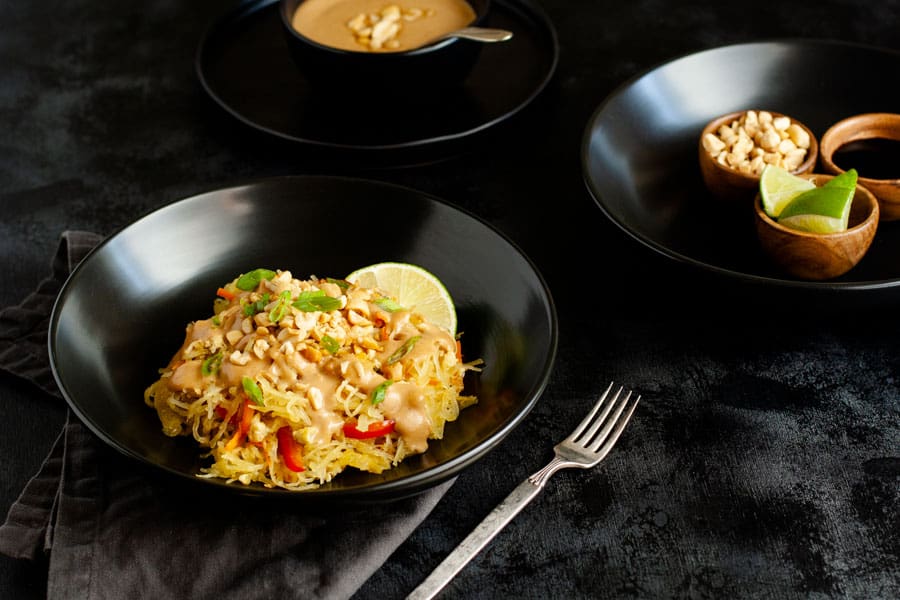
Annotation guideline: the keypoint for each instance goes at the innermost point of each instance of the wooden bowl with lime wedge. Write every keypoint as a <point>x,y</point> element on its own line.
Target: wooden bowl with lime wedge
<point>820,256</point>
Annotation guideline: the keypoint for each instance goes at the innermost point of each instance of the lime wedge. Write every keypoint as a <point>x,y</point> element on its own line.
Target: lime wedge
<point>814,223</point>
<point>846,180</point>
<point>822,210</point>
<point>777,187</point>
<point>413,287</point>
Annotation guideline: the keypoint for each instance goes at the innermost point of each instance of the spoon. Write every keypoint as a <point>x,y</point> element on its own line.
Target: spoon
<point>479,34</point>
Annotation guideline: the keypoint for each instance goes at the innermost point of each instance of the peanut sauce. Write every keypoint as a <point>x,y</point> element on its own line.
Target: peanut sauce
<point>326,21</point>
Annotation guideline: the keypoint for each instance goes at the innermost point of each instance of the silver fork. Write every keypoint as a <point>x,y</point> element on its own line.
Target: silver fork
<point>584,448</point>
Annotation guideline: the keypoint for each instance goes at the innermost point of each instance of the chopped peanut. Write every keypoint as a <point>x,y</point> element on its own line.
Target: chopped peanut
<point>712,144</point>
<point>259,348</point>
<point>381,30</point>
<point>798,135</point>
<point>239,358</point>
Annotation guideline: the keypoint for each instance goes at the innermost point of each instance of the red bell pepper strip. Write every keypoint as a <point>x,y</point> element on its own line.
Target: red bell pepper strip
<point>373,431</point>
<point>243,426</point>
<point>291,452</point>
<point>222,412</point>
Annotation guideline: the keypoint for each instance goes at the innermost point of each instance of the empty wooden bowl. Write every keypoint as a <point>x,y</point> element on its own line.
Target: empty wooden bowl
<point>869,143</point>
<point>819,256</point>
<point>733,186</point>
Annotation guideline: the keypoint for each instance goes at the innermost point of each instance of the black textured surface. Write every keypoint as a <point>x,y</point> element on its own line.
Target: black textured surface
<point>763,461</point>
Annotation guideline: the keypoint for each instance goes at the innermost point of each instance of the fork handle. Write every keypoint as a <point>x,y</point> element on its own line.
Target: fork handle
<point>496,520</point>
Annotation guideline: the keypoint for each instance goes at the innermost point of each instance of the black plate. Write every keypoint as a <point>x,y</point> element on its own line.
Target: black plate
<point>244,64</point>
<point>121,314</point>
<point>639,152</point>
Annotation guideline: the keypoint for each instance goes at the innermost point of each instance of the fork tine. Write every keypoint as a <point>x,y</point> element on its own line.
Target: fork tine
<point>593,440</point>
<point>590,418</point>
<point>591,434</point>
<point>593,420</point>
<point>611,440</point>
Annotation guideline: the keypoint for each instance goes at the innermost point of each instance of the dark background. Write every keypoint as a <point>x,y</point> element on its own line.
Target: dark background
<point>763,460</point>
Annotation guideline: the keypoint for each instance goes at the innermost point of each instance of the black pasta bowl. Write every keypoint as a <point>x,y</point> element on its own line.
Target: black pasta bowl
<point>122,313</point>
<point>441,64</point>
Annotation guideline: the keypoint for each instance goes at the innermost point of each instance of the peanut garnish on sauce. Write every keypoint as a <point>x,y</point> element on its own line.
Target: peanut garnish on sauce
<point>381,30</point>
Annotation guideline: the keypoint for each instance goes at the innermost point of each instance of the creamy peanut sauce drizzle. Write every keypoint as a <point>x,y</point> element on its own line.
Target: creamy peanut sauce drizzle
<point>296,371</point>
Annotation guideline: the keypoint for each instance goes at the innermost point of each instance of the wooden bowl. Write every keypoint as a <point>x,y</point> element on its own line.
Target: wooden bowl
<point>730,185</point>
<point>819,256</point>
<point>858,129</point>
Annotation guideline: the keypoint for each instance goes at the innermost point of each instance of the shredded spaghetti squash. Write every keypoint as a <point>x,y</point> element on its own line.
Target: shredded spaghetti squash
<point>292,381</point>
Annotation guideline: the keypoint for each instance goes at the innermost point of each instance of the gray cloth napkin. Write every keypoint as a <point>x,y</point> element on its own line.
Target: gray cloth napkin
<point>113,530</point>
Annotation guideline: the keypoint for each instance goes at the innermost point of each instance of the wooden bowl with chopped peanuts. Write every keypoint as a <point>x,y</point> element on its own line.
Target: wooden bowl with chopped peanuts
<point>376,50</point>
<point>734,148</point>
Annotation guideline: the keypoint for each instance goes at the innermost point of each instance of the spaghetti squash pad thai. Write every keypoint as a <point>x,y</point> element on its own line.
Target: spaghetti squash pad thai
<point>292,381</point>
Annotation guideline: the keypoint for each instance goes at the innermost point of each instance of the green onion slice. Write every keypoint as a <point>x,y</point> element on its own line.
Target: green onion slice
<point>388,304</point>
<point>249,281</point>
<point>330,344</point>
<point>341,283</point>
<point>253,391</point>
<point>403,350</point>
<point>212,364</point>
<point>315,301</point>
<point>252,308</point>
<point>380,392</point>
<point>277,312</point>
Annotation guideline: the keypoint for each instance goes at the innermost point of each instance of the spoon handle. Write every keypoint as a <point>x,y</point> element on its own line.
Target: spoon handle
<point>482,34</point>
